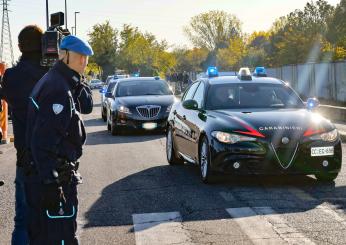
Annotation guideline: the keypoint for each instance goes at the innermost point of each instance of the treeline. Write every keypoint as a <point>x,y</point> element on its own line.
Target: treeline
<point>313,34</point>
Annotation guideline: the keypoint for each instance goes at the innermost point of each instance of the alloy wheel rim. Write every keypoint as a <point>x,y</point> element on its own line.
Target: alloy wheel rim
<point>169,145</point>
<point>204,160</point>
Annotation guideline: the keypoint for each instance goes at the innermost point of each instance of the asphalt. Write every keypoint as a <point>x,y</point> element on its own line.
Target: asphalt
<point>131,195</point>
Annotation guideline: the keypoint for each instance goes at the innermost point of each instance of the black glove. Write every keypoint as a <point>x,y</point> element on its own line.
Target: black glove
<point>52,196</point>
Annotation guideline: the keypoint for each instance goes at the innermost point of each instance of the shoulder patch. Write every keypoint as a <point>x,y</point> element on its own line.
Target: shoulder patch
<point>57,108</point>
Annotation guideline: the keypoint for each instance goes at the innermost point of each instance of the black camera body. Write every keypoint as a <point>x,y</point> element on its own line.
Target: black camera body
<point>51,39</point>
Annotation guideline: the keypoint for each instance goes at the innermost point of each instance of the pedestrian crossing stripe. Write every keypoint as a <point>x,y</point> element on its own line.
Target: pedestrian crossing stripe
<point>263,225</point>
<point>159,229</point>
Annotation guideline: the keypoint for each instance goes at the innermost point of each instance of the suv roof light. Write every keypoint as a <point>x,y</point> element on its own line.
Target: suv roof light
<point>245,74</point>
<point>212,71</point>
<point>260,71</point>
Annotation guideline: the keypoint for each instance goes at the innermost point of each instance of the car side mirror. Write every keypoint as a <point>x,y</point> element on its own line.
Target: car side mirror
<point>190,104</point>
<point>312,103</point>
<point>108,95</point>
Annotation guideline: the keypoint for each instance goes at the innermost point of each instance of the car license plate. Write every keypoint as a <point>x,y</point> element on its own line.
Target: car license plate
<point>149,126</point>
<point>322,151</point>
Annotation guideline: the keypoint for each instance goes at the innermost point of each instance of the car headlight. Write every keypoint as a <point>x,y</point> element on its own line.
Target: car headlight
<point>329,136</point>
<point>169,109</point>
<point>230,138</point>
<point>124,109</point>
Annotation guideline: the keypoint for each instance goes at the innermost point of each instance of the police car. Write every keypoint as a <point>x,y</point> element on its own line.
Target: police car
<point>248,124</point>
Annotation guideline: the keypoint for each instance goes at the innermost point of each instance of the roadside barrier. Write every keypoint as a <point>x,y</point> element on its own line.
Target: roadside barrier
<point>4,122</point>
<point>4,112</point>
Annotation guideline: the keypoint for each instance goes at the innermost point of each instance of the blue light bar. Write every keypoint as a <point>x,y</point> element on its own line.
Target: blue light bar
<point>212,72</point>
<point>260,71</point>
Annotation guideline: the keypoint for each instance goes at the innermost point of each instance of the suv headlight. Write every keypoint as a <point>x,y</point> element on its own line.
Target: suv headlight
<point>230,138</point>
<point>124,109</point>
<point>329,136</point>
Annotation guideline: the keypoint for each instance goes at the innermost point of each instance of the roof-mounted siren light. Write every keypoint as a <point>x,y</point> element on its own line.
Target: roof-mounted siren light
<point>260,71</point>
<point>245,74</point>
<point>212,71</point>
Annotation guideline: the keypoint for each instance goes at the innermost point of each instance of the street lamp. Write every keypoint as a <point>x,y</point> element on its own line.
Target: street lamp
<point>47,13</point>
<point>75,23</point>
<point>66,14</point>
<point>72,29</point>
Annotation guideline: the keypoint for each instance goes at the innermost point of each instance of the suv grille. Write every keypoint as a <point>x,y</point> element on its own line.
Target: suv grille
<point>148,111</point>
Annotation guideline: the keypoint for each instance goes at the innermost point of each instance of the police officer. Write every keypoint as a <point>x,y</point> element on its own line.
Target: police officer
<point>55,138</point>
<point>16,87</point>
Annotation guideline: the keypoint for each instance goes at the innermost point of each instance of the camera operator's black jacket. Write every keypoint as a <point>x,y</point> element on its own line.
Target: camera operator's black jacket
<point>55,129</point>
<point>16,87</point>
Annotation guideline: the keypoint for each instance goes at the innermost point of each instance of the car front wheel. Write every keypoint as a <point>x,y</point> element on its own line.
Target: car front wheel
<point>103,115</point>
<point>114,128</point>
<point>204,162</point>
<point>170,152</point>
<point>326,177</point>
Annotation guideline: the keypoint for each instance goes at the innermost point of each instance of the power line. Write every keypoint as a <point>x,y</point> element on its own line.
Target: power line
<point>6,48</point>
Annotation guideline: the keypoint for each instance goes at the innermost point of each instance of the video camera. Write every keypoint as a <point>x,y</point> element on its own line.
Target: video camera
<point>51,39</point>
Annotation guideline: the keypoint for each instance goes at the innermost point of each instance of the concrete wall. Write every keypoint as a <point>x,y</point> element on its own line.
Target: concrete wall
<point>322,80</point>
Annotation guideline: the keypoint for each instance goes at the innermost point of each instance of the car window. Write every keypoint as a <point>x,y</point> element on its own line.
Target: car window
<point>190,92</point>
<point>237,96</point>
<point>111,87</point>
<point>140,88</point>
<point>199,95</point>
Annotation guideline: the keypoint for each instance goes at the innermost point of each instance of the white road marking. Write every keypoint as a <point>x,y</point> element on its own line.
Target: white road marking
<point>159,228</point>
<point>301,194</point>
<point>324,207</point>
<point>328,210</point>
<point>264,226</point>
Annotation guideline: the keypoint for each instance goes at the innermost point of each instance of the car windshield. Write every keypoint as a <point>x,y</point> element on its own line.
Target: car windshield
<point>143,87</point>
<point>111,87</point>
<point>107,80</point>
<point>95,81</point>
<point>238,96</point>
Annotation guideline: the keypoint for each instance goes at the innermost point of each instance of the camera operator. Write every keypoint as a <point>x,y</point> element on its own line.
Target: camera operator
<point>55,138</point>
<point>15,89</point>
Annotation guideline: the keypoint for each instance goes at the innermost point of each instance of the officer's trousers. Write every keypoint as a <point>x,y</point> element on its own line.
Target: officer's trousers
<point>20,235</point>
<point>52,231</point>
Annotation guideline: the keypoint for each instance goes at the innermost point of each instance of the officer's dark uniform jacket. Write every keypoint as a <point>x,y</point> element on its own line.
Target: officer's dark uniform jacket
<point>55,130</point>
<point>16,87</point>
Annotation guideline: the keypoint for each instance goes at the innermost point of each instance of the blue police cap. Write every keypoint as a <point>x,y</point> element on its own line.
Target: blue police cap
<point>77,45</point>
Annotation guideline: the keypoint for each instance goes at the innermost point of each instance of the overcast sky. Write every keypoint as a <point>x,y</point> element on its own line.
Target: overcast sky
<point>163,18</point>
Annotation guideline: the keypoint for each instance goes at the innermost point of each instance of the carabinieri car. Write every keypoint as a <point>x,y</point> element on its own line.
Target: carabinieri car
<point>251,125</point>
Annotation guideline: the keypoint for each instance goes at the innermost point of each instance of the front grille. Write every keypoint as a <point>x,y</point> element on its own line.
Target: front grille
<point>285,155</point>
<point>148,111</point>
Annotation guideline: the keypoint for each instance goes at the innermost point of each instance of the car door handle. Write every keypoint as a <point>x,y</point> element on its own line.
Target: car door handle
<point>184,117</point>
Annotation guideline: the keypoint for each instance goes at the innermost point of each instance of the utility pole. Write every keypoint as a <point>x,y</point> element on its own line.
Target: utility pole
<point>75,23</point>
<point>6,49</point>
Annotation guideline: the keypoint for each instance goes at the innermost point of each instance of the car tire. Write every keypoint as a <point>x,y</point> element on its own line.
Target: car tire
<point>206,172</point>
<point>326,177</point>
<point>114,129</point>
<point>171,155</point>
<point>103,115</point>
<point>108,125</point>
